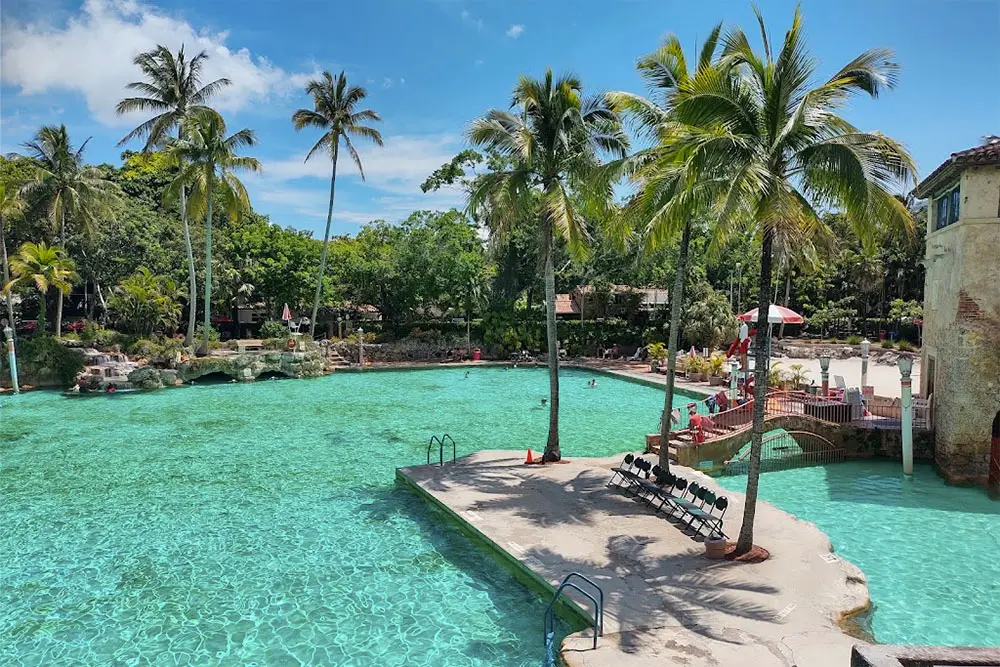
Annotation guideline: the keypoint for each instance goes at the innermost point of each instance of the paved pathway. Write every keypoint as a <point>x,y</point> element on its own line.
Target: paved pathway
<point>666,603</point>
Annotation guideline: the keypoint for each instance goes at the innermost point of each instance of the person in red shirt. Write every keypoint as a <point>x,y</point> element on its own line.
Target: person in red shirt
<point>698,423</point>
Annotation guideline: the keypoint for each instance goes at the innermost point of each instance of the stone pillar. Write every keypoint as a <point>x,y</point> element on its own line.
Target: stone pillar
<point>905,367</point>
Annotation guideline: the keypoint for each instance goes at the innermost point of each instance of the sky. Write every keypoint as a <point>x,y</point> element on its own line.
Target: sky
<point>431,66</point>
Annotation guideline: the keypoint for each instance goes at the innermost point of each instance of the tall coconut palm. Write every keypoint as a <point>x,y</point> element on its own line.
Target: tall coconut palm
<point>657,210</point>
<point>554,138</point>
<point>776,136</point>
<point>71,190</point>
<point>11,206</point>
<point>335,110</point>
<point>44,267</point>
<point>207,159</point>
<point>171,89</point>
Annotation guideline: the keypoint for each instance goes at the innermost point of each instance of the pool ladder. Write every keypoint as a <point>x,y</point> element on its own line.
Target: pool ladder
<point>550,612</point>
<point>441,442</point>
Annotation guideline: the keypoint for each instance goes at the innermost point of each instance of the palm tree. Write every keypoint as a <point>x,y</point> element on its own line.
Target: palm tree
<point>553,137</point>
<point>171,89</point>
<point>68,187</point>
<point>45,267</point>
<point>657,209</point>
<point>335,111</point>
<point>11,206</point>
<point>783,152</point>
<point>206,158</point>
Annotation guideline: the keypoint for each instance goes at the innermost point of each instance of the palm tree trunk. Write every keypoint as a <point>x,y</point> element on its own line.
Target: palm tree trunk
<point>552,452</point>
<point>676,298</point>
<point>104,304</point>
<point>6,277</point>
<point>326,242</point>
<point>207,324</point>
<point>192,278</point>
<point>788,290</point>
<point>763,351</point>
<point>62,244</point>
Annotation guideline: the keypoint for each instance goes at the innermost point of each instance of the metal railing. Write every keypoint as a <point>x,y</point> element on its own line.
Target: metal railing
<point>550,614</point>
<point>791,449</point>
<point>441,442</point>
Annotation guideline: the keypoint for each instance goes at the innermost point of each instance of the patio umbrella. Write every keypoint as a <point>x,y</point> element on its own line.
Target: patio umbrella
<point>775,315</point>
<point>286,314</point>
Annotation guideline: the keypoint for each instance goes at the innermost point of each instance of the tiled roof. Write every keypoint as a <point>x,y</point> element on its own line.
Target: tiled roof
<point>986,154</point>
<point>566,305</point>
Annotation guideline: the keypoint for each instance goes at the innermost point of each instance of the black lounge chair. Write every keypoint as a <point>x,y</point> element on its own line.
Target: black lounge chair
<point>623,470</point>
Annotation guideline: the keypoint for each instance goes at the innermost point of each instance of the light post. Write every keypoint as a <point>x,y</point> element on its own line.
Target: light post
<point>361,348</point>
<point>340,326</point>
<point>905,367</point>
<point>11,356</point>
<point>734,369</point>
<point>824,373</point>
<point>866,347</point>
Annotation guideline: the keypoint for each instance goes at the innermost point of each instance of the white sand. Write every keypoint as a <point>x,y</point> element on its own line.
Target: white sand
<point>885,379</point>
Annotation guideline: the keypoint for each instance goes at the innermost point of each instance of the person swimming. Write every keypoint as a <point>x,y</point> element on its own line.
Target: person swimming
<point>545,401</point>
<point>466,373</point>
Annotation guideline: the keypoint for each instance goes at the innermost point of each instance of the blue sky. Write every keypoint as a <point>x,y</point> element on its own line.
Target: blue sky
<point>431,66</point>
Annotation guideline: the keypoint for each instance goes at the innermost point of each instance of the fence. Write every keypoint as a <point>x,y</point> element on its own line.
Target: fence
<point>789,449</point>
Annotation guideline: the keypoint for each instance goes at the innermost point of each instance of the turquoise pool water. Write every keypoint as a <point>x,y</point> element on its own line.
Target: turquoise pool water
<point>931,552</point>
<point>260,524</point>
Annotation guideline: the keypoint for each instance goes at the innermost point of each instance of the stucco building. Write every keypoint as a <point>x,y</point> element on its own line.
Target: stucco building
<point>961,342</point>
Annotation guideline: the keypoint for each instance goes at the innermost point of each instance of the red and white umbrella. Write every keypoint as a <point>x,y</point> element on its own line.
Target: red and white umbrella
<point>775,315</point>
<point>286,314</point>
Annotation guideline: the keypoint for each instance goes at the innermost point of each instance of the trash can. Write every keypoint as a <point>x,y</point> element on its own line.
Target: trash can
<point>476,354</point>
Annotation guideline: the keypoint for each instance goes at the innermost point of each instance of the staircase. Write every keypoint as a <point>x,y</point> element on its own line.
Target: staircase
<point>334,361</point>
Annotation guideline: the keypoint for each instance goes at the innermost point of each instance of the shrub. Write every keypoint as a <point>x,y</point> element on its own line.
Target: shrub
<point>44,355</point>
<point>273,329</point>
<point>657,351</point>
<point>888,345</point>
<point>905,345</point>
<point>698,365</point>
<point>199,335</point>
<point>854,340</point>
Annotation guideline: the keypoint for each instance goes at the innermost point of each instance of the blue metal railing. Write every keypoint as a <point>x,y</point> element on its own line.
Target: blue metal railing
<point>441,442</point>
<point>550,618</point>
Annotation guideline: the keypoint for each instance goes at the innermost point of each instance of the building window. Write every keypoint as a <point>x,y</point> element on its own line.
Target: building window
<point>946,208</point>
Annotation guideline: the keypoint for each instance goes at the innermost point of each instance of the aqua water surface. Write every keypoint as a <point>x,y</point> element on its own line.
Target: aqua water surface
<point>931,552</point>
<point>260,524</point>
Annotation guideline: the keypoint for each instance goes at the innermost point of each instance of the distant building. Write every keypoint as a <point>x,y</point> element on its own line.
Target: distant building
<point>617,301</point>
<point>961,342</point>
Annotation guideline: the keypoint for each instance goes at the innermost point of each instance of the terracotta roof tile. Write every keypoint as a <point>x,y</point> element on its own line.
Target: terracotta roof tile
<point>986,154</point>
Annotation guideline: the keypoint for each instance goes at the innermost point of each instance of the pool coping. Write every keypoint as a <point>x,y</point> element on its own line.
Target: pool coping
<point>567,609</point>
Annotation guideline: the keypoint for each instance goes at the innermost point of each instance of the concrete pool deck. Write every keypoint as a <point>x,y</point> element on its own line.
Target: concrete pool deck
<point>665,602</point>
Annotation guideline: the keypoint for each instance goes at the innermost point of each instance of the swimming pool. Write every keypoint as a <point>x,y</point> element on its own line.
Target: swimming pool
<point>260,524</point>
<point>930,551</point>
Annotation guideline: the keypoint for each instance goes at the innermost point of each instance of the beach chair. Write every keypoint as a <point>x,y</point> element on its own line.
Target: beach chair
<point>840,388</point>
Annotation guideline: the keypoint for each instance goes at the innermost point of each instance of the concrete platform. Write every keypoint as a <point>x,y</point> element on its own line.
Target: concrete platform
<point>665,602</point>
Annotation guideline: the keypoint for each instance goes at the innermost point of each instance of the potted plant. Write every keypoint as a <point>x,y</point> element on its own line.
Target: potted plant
<point>697,370</point>
<point>657,355</point>
<point>798,377</point>
<point>776,376</point>
<point>681,369</point>
<point>715,547</point>
<point>717,369</point>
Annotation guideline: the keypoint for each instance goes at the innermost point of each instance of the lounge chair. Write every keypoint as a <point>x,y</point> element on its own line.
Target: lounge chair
<point>841,388</point>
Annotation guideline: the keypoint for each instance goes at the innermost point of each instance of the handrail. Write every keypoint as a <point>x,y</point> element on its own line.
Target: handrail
<point>549,618</point>
<point>441,441</point>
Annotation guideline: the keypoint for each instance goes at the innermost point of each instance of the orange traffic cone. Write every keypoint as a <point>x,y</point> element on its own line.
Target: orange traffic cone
<point>528,459</point>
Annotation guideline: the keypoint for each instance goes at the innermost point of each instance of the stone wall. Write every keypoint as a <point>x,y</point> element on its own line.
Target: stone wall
<point>242,367</point>
<point>438,348</point>
<point>961,354</point>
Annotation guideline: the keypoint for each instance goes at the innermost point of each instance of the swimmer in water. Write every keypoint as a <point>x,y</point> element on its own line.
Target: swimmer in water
<point>466,373</point>
<point>545,401</point>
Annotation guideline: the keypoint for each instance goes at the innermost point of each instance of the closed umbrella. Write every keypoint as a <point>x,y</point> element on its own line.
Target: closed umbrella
<point>286,314</point>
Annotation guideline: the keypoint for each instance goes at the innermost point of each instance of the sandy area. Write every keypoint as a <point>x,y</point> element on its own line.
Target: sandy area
<point>885,379</point>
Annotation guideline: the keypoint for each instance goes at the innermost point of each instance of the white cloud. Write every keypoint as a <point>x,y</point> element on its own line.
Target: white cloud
<point>478,62</point>
<point>468,18</point>
<point>92,55</point>
<point>393,175</point>
<point>387,82</point>
<point>515,30</point>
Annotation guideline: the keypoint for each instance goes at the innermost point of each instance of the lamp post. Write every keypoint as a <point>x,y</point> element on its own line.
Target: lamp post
<point>340,326</point>
<point>734,369</point>
<point>866,347</point>
<point>11,356</point>
<point>824,373</point>
<point>905,367</point>
<point>361,348</point>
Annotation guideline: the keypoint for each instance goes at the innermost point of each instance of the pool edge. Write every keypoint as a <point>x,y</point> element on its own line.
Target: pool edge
<point>567,609</point>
